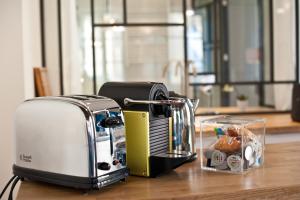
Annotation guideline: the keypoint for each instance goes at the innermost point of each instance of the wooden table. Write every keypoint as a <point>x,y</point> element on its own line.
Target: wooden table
<point>275,123</point>
<point>278,179</point>
<point>233,110</point>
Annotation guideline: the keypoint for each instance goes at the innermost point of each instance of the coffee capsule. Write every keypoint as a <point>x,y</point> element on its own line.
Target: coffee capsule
<point>248,152</point>
<point>235,163</point>
<point>223,166</point>
<point>258,149</point>
<point>218,158</point>
<point>208,153</point>
<point>258,161</point>
<point>208,163</point>
<point>219,132</point>
<point>252,161</point>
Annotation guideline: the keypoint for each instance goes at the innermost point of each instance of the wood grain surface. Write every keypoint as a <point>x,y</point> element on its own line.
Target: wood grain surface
<point>279,178</point>
<point>41,80</point>
<point>275,123</point>
<point>232,110</point>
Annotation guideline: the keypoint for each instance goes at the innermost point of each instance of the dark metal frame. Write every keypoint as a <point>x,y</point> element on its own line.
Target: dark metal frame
<point>60,47</point>
<point>297,39</point>
<point>42,26</point>
<point>261,88</point>
<point>93,47</point>
<point>260,84</point>
<point>126,24</point>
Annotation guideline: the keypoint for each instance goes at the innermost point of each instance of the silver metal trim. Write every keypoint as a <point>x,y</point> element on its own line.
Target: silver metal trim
<point>128,101</point>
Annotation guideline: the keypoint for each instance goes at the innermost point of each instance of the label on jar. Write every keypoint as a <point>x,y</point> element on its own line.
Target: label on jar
<point>218,158</point>
<point>235,163</point>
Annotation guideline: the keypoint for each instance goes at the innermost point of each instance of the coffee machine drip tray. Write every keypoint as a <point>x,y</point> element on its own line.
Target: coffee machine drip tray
<point>165,162</point>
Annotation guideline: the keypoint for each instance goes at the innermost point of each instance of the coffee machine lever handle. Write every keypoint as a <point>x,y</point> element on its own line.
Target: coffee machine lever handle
<point>128,101</point>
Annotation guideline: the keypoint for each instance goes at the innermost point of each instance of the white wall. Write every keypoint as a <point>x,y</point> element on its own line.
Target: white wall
<point>11,79</point>
<point>284,51</point>
<point>31,43</point>
<point>19,52</point>
<point>51,42</point>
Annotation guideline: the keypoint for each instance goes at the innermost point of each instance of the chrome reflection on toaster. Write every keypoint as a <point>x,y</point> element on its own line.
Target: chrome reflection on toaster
<point>76,141</point>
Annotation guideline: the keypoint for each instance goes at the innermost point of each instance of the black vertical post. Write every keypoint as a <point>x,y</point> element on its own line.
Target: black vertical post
<point>93,48</point>
<point>217,44</point>
<point>185,46</point>
<point>297,39</point>
<point>42,24</point>
<point>61,75</point>
<point>224,50</point>
<point>125,11</point>
<point>261,89</point>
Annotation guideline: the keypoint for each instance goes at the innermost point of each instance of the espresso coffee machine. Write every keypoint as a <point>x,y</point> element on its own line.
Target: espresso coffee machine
<point>157,137</point>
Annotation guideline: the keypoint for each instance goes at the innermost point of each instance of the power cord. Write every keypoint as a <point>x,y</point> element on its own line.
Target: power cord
<point>10,197</point>
<point>15,179</point>
<point>6,186</point>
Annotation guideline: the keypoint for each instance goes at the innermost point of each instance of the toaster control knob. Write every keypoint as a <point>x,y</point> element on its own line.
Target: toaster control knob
<point>103,166</point>
<point>112,122</point>
<point>115,162</point>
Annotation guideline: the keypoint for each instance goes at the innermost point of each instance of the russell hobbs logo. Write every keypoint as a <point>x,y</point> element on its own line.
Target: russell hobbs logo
<point>25,158</point>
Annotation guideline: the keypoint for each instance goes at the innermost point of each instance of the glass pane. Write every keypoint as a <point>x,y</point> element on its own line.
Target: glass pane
<point>278,96</point>
<point>155,11</point>
<point>245,41</point>
<point>202,78</point>
<point>268,98</point>
<point>201,42</point>
<point>140,54</point>
<point>77,51</point>
<point>108,11</point>
<point>284,40</point>
<point>209,96</point>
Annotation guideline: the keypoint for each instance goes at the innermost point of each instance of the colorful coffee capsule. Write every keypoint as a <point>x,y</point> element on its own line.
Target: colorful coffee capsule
<point>223,166</point>
<point>208,153</point>
<point>248,152</point>
<point>258,161</point>
<point>246,164</point>
<point>252,161</point>
<point>219,132</point>
<point>258,149</point>
<point>208,163</point>
<point>218,158</point>
<point>235,163</point>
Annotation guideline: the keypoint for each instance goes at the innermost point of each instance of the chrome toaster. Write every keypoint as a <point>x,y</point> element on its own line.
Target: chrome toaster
<point>76,141</point>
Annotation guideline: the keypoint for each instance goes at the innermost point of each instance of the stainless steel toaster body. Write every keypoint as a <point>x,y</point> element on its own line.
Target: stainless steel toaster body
<point>76,141</point>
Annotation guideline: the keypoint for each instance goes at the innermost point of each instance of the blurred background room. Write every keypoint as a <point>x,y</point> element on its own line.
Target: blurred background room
<point>236,56</point>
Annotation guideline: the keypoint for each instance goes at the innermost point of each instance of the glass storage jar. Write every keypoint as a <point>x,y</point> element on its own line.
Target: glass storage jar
<point>232,144</point>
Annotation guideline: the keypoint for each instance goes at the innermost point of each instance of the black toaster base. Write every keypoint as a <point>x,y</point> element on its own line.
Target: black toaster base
<point>84,183</point>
